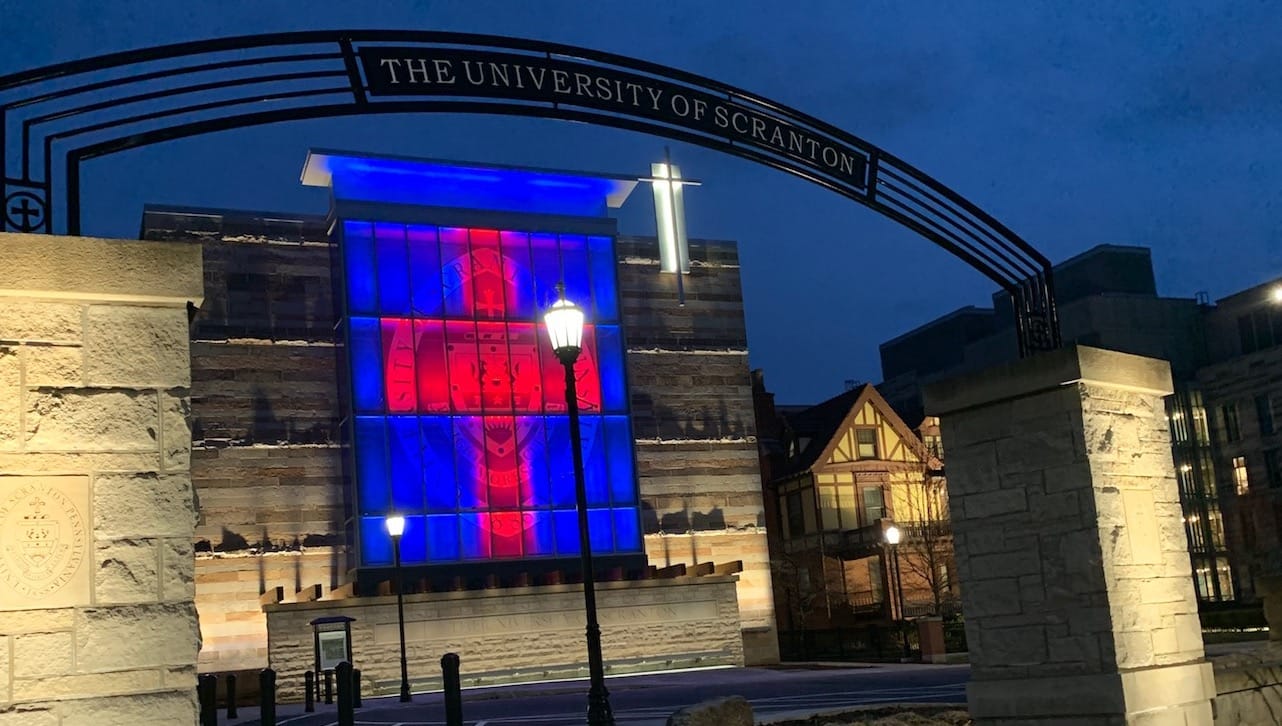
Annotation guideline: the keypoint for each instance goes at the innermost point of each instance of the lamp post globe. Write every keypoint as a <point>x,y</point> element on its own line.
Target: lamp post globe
<point>892,535</point>
<point>395,525</point>
<point>1276,294</point>
<point>564,321</point>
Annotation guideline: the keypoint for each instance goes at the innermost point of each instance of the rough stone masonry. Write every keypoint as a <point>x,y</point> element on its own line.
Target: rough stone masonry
<point>1070,543</point>
<point>97,615</point>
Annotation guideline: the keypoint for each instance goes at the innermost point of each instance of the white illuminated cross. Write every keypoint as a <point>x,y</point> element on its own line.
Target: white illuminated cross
<point>670,216</point>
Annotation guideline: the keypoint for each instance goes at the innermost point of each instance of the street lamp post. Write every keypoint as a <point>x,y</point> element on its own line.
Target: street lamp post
<point>396,528</point>
<point>892,539</point>
<point>564,321</point>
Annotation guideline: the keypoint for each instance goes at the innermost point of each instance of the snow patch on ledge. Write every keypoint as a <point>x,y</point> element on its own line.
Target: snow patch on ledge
<point>722,440</point>
<point>267,341</point>
<point>690,351</point>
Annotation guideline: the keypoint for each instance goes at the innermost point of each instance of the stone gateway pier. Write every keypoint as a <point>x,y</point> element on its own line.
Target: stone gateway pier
<point>1070,545</point>
<point>97,613</point>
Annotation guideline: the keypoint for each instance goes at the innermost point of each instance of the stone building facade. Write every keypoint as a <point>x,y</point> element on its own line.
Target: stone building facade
<point>267,457</point>
<point>1242,386</point>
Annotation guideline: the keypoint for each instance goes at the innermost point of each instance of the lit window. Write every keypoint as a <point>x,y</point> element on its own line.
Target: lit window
<point>1240,480</point>
<point>874,504</point>
<point>867,441</point>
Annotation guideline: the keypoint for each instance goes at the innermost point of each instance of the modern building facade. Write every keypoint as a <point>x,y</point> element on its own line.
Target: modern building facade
<point>389,358</point>
<point>1107,298</point>
<point>1242,385</point>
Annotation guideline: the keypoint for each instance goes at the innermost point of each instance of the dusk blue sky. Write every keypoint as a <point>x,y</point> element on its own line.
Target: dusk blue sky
<point>1074,123</point>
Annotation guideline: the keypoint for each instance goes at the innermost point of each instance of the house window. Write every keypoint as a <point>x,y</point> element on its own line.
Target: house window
<point>874,505</point>
<point>1258,331</point>
<point>1264,411</point>
<point>1240,480</point>
<point>1232,432</point>
<point>874,578</point>
<point>866,439</point>
<point>796,515</point>
<point>935,446</point>
<point>1273,467</point>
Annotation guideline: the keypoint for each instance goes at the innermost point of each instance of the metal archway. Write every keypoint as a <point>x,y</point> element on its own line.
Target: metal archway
<point>74,111</point>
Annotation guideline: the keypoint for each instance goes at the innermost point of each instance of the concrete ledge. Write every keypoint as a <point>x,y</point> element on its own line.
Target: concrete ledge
<point>1045,372</point>
<point>80,268</point>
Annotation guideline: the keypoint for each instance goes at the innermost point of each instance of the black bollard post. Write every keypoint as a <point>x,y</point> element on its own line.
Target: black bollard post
<point>207,692</point>
<point>309,685</point>
<point>329,688</point>
<point>231,696</point>
<point>356,687</point>
<point>346,712</point>
<point>453,689</point>
<point>267,697</point>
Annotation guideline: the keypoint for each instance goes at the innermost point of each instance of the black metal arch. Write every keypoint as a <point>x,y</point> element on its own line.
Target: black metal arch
<point>97,106</point>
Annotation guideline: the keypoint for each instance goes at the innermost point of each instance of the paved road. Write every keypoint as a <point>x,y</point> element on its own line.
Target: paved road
<point>649,700</point>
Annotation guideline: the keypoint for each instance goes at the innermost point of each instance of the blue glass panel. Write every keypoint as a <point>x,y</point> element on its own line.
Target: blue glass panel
<point>538,534</point>
<point>425,270</point>
<point>358,261</point>
<point>469,462</point>
<point>474,535</point>
<point>521,303</point>
<point>560,465</point>
<point>407,464</point>
<point>601,530</point>
<point>414,541</point>
<point>532,462</point>
<point>365,355</point>
<point>545,261</point>
<point>442,538</point>
<point>393,269</point>
<point>618,444</point>
<point>574,266</point>
<point>605,295</point>
<point>376,545</point>
<point>566,524</point>
<point>627,530</point>
<point>609,353</point>
<point>596,477</point>
<point>438,462</point>
<point>372,482</point>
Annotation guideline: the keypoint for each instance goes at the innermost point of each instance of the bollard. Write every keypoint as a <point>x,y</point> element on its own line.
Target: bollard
<point>309,685</point>
<point>207,692</point>
<point>346,714</point>
<point>356,687</point>
<point>329,688</point>
<point>267,697</point>
<point>231,696</point>
<point>453,689</point>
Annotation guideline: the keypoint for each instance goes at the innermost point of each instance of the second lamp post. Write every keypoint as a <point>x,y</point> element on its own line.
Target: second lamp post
<point>396,528</point>
<point>564,322</point>
<point>892,539</point>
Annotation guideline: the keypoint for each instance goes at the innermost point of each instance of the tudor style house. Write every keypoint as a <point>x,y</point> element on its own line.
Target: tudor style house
<point>837,477</point>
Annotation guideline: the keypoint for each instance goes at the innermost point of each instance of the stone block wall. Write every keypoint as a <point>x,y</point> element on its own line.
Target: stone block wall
<point>693,420</point>
<point>519,634</point>
<point>1070,543</point>
<point>97,621</point>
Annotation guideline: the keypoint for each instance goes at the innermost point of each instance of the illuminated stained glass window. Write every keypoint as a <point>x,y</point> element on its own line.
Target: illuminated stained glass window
<point>458,414</point>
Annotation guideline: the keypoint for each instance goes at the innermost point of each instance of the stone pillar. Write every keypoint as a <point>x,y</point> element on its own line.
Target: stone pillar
<point>97,619</point>
<point>1071,551</point>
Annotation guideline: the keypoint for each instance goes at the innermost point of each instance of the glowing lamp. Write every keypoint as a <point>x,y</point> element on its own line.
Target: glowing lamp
<point>1276,295</point>
<point>564,321</point>
<point>395,525</point>
<point>892,535</point>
